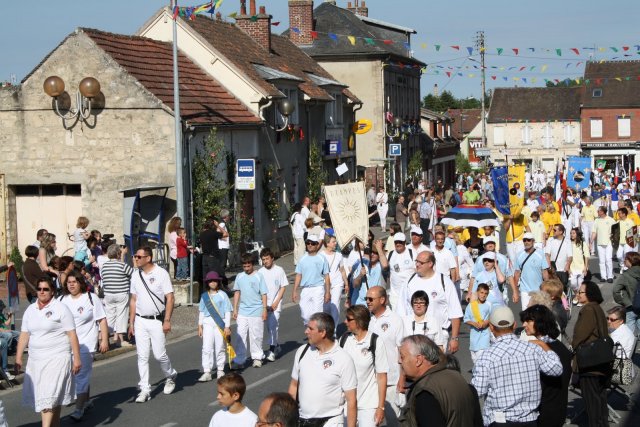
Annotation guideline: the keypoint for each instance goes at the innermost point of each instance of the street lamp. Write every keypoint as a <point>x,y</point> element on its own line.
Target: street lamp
<point>286,109</point>
<point>393,127</point>
<point>88,89</point>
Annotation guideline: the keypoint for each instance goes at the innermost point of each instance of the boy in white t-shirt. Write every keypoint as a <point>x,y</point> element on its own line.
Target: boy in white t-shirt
<point>276,281</point>
<point>231,389</point>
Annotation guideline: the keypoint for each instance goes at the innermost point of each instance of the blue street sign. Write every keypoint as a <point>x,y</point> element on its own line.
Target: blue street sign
<point>246,174</point>
<point>395,150</point>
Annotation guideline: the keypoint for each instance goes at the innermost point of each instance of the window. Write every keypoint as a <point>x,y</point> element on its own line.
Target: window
<point>498,136</point>
<point>624,127</point>
<point>596,128</point>
<point>597,93</point>
<point>546,136</point>
<point>334,113</point>
<point>292,95</point>
<point>526,134</point>
<point>569,133</point>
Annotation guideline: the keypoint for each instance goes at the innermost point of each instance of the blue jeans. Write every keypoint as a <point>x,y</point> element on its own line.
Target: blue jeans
<point>633,321</point>
<point>183,268</point>
<point>6,338</point>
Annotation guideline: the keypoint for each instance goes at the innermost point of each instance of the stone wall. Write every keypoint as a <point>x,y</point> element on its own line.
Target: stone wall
<point>129,142</point>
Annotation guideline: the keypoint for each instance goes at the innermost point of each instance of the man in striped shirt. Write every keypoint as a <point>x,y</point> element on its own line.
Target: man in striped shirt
<point>116,281</point>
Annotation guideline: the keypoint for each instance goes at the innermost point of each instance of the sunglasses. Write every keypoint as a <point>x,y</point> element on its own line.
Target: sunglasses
<point>44,289</point>
<point>612,319</point>
<point>369,299</point>
<point>419,303</point>
<point>527,240</point>
<point>309,242</point>
<point>488,260</point>
<point>350,319</point>
<point>421,262</point>
<point>140,256</point>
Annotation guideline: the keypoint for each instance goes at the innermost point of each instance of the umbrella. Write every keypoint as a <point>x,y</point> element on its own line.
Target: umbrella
<point>471,216</point>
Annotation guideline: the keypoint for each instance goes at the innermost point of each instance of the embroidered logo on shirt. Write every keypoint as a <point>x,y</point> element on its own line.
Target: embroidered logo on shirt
<point>48,314</point>
<point>434,295</point>
<point>384,327</point>
<point>326,364</point>
<point>80,310</point>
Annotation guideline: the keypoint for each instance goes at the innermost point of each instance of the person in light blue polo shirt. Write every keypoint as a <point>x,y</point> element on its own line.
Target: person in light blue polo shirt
<point>373,271</point>
<point>312,275</point>
<point>250,312</point>
<point>476,315</point>
<point>531,269</point>
<point>492,276</point>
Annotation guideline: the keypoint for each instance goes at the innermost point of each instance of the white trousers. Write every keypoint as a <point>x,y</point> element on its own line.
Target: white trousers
<point>605,255</point>
<point>524,300</point>
<point>298,249</point>
<point>83,378</point>
<point>587,229</point>
<point>513,249</point>
<point>393,300</point>
<point>273,324</point>
<point>150,337</point>
<point>213,346</point>
<point>382,212</point>
<point>311,302</point>
<point>254,328</point>
<point>116,307</point>
<point>575,280</point>
<point>622,251</point>
<point>333,306</point>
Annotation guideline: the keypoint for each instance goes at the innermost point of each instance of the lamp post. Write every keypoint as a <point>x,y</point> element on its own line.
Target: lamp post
<point>393,130</point>
<point>88,89</point>
<point>286,109</point>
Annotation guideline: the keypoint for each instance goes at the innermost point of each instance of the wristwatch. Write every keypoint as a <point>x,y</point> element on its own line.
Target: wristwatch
<point>454,338</point>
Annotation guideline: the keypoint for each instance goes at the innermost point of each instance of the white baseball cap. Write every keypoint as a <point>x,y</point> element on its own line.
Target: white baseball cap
<point>502,317</point>
<point>528,236</point>
<point>312,238</point>
<point>400,237</point>
<point>416,230</point>
<point>488,239</point>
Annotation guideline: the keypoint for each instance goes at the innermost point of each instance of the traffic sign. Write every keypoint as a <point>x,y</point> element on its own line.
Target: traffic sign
<point>245,174</point>
<point>483,152</point>
<point>395,150</point>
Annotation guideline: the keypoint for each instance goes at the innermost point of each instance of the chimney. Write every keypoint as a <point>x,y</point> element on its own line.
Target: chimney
<point>301,18</point>
<point>257,26</point>
<point>357,9</point>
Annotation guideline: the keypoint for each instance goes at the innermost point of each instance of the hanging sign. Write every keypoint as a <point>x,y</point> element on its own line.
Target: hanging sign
<point>245,174</point>
<point>362,126</point>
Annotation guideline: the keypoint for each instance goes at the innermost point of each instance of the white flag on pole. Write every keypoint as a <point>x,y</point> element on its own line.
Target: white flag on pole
<point>347,205</point>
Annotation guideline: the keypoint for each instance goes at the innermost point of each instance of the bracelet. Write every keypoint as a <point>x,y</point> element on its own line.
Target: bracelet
<point>454,338</point>
<point>382,409</point>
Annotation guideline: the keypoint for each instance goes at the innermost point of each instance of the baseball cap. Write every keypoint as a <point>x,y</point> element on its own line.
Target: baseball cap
<point>312,238</point>
<point>400,237</point>
<point>211,276</point>
<point>317,220</point>
<point>502,317</point>
<point>416,230</point>
<point>488,239</point>
<point>488,255</point>
<point>528,236</point>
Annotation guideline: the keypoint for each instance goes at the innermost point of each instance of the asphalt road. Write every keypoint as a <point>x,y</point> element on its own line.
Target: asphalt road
<point>192,403</point>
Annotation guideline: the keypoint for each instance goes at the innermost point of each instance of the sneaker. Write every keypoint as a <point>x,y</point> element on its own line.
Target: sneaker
<point>205,377</point>
<point>170,384</point>
<point>220,374</point>
<point>257,363</point>
<point>271,356</point>
<point>10,376</point>
<point>77,414</point>
<point>143,397</point>
<point>125,344</point>
<point>609,280</point>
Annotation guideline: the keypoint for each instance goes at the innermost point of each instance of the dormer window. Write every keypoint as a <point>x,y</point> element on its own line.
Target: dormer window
<point>597,93</point>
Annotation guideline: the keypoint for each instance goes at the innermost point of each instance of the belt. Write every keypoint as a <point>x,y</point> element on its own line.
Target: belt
<point>154,317</point>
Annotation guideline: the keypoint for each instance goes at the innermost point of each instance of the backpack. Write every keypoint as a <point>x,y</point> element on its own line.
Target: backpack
<point>372,345</point>
<point>392,252</point>
<point>635,303</point>
<point>453,202</point>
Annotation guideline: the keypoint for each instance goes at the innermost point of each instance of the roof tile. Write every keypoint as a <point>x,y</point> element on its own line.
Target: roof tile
<point>535,104</point>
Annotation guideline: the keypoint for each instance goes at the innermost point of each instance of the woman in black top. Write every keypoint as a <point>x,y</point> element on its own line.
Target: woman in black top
<point>539,321</point>
<point>474,244</point>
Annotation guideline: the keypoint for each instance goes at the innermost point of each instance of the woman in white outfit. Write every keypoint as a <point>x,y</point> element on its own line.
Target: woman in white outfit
<point>90,318</point>
<point>337,277</point>
<point>49,330</point>
<point>382,204</point>
<point>214,336</point>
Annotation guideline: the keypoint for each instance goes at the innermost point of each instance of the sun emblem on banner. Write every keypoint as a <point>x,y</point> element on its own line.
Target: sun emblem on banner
<point>349,209</point>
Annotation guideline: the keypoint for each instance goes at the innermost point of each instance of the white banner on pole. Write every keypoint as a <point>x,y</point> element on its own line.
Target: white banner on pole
<point>348,209</point>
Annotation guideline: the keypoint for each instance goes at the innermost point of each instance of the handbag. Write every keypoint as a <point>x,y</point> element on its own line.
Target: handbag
<point>622,368</point>
<point>597,352</point>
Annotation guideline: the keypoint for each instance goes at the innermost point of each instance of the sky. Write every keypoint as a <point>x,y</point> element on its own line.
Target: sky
<point>534,29</point>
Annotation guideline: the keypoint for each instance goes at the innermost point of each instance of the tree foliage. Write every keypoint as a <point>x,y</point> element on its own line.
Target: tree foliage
<point>462,163</point>
<point>446,101</point>
<point>316,175</point>
<point>414,168</point>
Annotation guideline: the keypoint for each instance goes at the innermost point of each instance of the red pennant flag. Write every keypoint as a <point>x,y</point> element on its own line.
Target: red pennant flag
<point>625,48</point>
<point>176,12</point>
<point>515,50</point>
<point>275,24</point>
<point>598,81</point>
<point>448,73</point>
<point>494,77</point>
<point>575,50</point>
<point>387,41</point>
<point>522,68</point>
<point>314,35</point>
<point>455,47</point>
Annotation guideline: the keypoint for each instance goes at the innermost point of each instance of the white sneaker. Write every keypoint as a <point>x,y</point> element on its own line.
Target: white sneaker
<point>143,397</point>
<point>271,356</point>
<point>170,384</point>
<point>77,414</point>
<point>220,374</point>
<point>257,363</point>
<point>10,376</point>
<point>205,377</point>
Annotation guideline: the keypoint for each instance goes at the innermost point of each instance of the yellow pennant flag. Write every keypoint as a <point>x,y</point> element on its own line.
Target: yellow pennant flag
<point>544,68</point>
<point>516,189</point>
<point>618,79</point>
<point>423,45</point>
<point>534,79</point>
<point>352,40</point>
<point>602,49</point>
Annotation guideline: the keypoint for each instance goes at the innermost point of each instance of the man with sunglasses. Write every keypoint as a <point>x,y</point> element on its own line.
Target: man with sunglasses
<point>531,269</point>
<point>150,310</point>
<point>312,275</point>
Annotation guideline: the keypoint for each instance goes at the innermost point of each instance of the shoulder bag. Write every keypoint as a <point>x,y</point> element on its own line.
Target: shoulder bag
<point>596,352</point>
<point>622,368</point>
<point>154,297</point>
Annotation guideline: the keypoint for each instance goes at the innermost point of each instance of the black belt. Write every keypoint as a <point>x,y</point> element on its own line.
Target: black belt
<point>154,317</point>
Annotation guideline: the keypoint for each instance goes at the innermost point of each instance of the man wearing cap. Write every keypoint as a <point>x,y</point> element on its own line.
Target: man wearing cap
<point>530,269</point>
<point>312,275</point>
<point>400,264</point>
<point>503,264</point>
<point>416,245</point>
<point>507,374</point>
<point>444,303</point>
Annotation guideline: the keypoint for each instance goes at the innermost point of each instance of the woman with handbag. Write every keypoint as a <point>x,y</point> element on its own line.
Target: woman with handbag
<point>625,342</point>
<point>578,270</point>
<point>593,354</point>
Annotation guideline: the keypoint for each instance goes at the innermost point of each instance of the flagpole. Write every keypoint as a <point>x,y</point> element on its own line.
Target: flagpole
<point>366,282</point>
<point>180,208</point>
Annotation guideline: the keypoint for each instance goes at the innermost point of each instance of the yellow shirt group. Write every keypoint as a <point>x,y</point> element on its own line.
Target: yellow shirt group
<point>589,213</point>
<point>580,253</point>
<point>624,226</point>
<point>537,228</point>
<point>516,228</point>
<point>602,230</point>
<point>550,219</point>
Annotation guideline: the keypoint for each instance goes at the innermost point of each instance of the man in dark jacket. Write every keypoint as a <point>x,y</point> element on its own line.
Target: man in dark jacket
<point>624,289</point>
<point>439,396</point>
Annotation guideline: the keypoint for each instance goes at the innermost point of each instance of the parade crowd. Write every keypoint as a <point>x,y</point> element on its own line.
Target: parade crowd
<point>403,301</point>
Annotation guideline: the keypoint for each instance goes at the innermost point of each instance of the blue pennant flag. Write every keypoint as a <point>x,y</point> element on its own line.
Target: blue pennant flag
<point>500,178</point>
<point>579,172</point>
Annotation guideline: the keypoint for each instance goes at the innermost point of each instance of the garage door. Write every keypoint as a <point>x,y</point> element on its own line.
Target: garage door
<point>53,207</point>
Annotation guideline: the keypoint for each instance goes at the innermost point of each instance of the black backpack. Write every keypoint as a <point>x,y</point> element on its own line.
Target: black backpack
<point>372,345</point>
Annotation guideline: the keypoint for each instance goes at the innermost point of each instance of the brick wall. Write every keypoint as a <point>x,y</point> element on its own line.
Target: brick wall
<point>301,17</point>
<point>374,175</point>
<point>609,118</point>
<point>258,29</point>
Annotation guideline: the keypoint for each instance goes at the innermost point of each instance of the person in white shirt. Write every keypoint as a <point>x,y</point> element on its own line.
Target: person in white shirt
<point>277,282</point>
<point>297,230</point>
<point>324,376</point>
<point>305,211</point>
<point>400,264</point>
<point>559,253</point>
<point>416,245</point>
<point>446,262</point>
<point>150,310</point>
<point>231,390</point>
<point>370,359</point>
<point>382,203</point>
<point>620,332</point>
<point>601,236</point>
<point>537,229</point>
<point>337,276</point>
<point>223,244</point>
<point>418,323</point>
<point>390,327</point>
